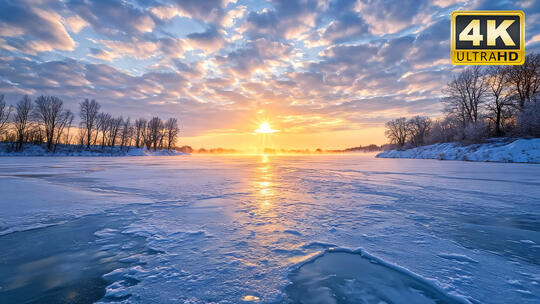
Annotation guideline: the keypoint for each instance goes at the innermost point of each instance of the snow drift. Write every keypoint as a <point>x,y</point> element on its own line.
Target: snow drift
<point>499,150</point>
<point>72,150</point>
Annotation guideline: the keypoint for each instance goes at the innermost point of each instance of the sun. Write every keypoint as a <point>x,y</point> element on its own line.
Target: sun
<point>264,127</point>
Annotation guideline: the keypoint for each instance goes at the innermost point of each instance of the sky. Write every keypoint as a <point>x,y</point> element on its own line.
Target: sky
<point>326,74</point>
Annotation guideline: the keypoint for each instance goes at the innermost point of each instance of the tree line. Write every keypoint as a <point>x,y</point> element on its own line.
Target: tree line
<point>497,101</point>
<point>46,121</point>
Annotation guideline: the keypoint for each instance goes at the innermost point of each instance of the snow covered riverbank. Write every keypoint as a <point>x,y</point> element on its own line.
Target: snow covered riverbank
<point>75,150</point>
<point>518,151</point>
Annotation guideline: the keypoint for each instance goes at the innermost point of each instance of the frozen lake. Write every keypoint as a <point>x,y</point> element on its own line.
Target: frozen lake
<point>268,229</point>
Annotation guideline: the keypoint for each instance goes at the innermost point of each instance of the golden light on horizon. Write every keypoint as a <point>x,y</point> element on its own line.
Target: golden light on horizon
<point>264,127</point>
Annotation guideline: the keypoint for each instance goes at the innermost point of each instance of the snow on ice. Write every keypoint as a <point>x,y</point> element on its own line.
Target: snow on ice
<point>73,150</point>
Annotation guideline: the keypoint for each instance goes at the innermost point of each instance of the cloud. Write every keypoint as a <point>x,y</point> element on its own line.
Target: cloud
<point>348,27</point>
<point>288,18</point>
<point>233,15</point>
<point>387,17</point>
<point>75,23</point>
<point>165,48</point>
<point>310,64</point>
<point>208,41</point>
<point>258,54</point>
<point>103,54</point>
<point>208,10</point>
<point>32,29</point>
<point>135,48</point>
<point>345,24</point>
<point>113,17</point>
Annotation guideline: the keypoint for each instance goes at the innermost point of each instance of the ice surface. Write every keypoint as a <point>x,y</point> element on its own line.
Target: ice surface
<point>65,263</point>
<point>518,151</point>
<point>347,277</point>
<point>236,229</point>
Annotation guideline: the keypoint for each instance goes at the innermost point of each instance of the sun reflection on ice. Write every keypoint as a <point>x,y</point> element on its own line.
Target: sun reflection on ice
<point>250,298</point>
<point>264,184</point>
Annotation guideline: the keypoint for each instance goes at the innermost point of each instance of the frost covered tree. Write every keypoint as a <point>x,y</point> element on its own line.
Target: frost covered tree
<point>525,79</point>
<point>528,120</point>
<point>89,110</point>
<point>498,101</point>
<point>397,131</point>
<point>446,129</point>
<point>23,108</point>
<point>465,94</point>
<point>419,127</point>
<point>475,132</point>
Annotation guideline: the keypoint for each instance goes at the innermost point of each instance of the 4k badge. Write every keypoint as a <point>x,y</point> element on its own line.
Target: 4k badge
<point>487,37</point>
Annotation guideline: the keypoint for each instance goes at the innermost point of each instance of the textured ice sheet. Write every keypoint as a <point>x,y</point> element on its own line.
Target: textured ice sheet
<point>342,276</point>
<point>233,229</point>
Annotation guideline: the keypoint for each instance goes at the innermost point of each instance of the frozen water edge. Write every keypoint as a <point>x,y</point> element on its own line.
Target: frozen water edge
<point>75,150</point>
<point>518,151</point>
<point>233,229</point>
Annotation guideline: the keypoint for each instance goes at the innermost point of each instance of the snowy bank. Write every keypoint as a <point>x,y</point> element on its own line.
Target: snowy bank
<point>518,151</point>
<point>73,150</point>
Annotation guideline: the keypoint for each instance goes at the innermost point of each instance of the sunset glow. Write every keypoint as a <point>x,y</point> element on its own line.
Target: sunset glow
<point>330,74</point>
<point>265,128</point>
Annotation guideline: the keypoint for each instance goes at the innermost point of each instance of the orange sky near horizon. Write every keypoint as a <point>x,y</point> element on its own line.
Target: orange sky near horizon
<point>252,142</point>
<point>326,74</point>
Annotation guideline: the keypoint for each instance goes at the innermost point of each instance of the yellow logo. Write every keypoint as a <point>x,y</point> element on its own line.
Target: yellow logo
<point>487,37</point>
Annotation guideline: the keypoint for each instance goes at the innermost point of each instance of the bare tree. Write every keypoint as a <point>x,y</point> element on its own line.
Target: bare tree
<point>114,126</point>
<point>419,127</point>
<point>140,127</point>
<point>5,111</point>
<point>500,96</point>
<point>21,120</point>
<point>34,133</point>
<point>525,79</point>
<point>126,134</point>
<point>103,123</point>
<point>65,120</point>
<point>171,130</point>
<point>89,110</point>
<point>68,138</point>
<point>47,111</point>
<point>465,95</point>
<point>155,125</point>
<point>146,136</point>
<point>397,131</point>
<point>81,137</point>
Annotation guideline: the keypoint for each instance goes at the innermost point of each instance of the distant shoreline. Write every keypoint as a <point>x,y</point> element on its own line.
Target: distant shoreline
<point>494,150</point>
<point>77,150</point>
